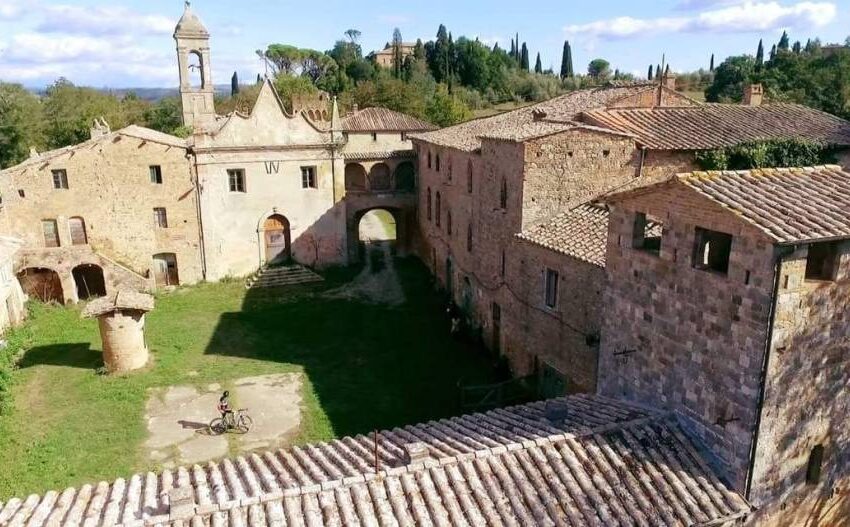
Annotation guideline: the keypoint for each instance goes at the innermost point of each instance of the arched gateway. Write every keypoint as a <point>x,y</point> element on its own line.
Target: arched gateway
<point>276,237</point>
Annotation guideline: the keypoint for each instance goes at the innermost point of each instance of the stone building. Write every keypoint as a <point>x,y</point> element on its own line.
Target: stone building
<point>727,303</point>
<point>384,58</point>
<point>138,209</point>
<point>12,297</point>
<point>504,217</point>
<point>119,210</point>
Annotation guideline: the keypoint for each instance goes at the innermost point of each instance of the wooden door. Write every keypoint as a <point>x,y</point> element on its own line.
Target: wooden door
<point>276,236</point>
<point>165,269</point>
<point>77,226</point>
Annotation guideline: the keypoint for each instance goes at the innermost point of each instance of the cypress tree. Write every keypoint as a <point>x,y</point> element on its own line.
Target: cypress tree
<point>657,71</point>
<point>567,61</point>
<point>513,49</point>
<point>518,56</point>
<point>259,79</point>
<point>667,70</point>
<point>798,48</point>
<point>760,55</point>
<point>649,73</point>
<point>773,52</point>
<point>523,62</point>
<point>538,66</point>
<point>234,85</point>
<point>398,58</point>
<point>784,42</point>
<point>711,64</point>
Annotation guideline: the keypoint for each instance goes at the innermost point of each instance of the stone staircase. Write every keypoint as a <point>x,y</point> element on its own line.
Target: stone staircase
<point>282,276</point>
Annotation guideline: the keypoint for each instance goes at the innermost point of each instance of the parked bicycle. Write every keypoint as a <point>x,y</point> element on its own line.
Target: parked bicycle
<point>238,421</point>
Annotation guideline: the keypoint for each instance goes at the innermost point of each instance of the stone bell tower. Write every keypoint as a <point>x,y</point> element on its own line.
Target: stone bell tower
<point>193,55</point>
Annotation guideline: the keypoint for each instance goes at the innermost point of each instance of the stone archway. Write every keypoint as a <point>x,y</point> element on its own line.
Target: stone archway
<point>379,177</point>
<point>276,238</point>
<point>355,177</point>
<point>42,284</point>
<point>89,281</point>
<point>377,226</point>
<point>405,176</point>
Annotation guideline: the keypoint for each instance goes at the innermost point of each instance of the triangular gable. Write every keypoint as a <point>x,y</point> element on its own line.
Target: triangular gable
<point>269,124</point>
<point>648,98</point>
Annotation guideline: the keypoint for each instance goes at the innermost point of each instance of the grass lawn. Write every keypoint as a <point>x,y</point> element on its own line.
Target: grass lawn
<point>365,366</point>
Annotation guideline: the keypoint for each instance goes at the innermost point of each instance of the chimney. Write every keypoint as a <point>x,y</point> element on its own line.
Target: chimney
<point>753,94</point>
<point>669,81</point>
<point>100,128</point>
<point>354,109</point>
<point>181,503</point>
<point>415,452</point>
<point>33,152</point>
<point>538,114</point>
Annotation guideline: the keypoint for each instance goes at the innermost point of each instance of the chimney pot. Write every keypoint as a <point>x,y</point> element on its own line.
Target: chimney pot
<point>355,108</point>
<point>416,452</point>
<point>538,114</point>
<point>753,94</point>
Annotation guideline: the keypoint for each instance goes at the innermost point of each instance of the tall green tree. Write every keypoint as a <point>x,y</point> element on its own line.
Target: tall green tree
<point>69,112</point>
<point>567,61</point>
<point>538,66</point>
<point>729,79</point>
<point>20,124</point>
<point>599,69</point>
<point>657,71</point>
<point>773,53</point>
<point>234,85</point>
<point>760,55</point>
<point>784,42</point>
<point>711,63</point>
<point>649,74</point>
<point>797,47</point>
<point>398,55</point>
<point>523,61</point>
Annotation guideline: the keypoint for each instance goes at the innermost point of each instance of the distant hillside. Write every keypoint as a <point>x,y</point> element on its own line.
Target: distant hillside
<point>147,94</point>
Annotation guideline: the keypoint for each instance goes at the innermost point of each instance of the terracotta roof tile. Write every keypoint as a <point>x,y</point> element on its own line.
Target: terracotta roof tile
<point>790,205</point>
<point>581,233</point>
<point>719,125</point>
<point>383,120</point>
<point>584,459</point>
<point>382,154</point>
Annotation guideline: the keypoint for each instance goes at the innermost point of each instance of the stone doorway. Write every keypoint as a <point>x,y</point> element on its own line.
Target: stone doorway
<point>165,269</point>
<point>277,239</point>
<point>89,280</point>
<point>42,284</point>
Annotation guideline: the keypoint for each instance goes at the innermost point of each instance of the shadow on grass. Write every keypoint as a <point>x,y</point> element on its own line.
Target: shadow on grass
<point>72,355</point>
<point>371,366</point>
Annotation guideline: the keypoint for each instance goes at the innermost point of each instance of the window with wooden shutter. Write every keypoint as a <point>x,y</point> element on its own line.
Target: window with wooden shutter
<point>60,179</point>
<point>551,284</point>
<point>51,233</point>
<point>77,226</point>
<point>160,217</point>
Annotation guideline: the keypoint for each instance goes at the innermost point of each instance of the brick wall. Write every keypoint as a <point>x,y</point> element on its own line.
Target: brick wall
<point>693,339</point>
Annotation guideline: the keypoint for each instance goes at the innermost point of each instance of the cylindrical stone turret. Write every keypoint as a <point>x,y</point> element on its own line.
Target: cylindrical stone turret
<point>122,329</point>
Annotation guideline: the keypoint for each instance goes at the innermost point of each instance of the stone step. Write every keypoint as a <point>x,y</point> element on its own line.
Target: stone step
<point>282,276</point>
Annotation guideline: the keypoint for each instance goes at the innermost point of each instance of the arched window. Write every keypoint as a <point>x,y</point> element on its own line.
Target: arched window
<point>405,176</point>
<point>437,211</point>
<point>469,237</point>
<point>429,159</point>
<point>77,226</point>
<point>469,177</point>
<point>197,75</point>
<point>449,222</point>
<point>503,195</point>
<point>355,177</point>
<point>438,162</point>
<point>449,171</point>
<point>428,204</point>
<point>813,470</point>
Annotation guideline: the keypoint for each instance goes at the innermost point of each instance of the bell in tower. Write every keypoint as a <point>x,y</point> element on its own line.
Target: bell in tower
<point>193,59</point>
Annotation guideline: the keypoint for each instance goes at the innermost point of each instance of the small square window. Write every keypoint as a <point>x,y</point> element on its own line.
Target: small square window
<point>551,282</point>
<point>712,250</point>
<point>647,232</point>
<point>236,179</point>
<point>156,174</point>
<point>21,193</point>
<point>822,261</point>
<point>160,217</point>
<point>60,179</point>
<point>308,177</point>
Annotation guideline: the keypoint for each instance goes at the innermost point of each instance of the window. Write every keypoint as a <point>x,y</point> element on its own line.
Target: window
<point>429,159</point>
<point>469,177</point>
<point>236,179</point>
<point>160,218</point>
<point>813,470</point>
<point>646,235</point>
<point>438,162</point>
<point>551,282</point>
<point>437,211</point>
<point>308,177</point>
<point>77,227</point>
<point>503,195</point>
<point>449,171</point>
<point>21,193</point>
<point>428,204</point>
<point>469,237</point>
<point>711,250</point>
<point>504,264</point>
<point>822,261</point>
<point>449,222</point>
<point>374,136</point>
<point>60,178</point>
<point>404,136</point>
<point>51,233</point>
<point>156,174</point>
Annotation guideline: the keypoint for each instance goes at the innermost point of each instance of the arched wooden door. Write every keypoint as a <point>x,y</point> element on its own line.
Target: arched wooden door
<point>276,237</point>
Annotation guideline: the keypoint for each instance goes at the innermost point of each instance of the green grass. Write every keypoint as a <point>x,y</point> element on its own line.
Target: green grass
<point>365,367</point>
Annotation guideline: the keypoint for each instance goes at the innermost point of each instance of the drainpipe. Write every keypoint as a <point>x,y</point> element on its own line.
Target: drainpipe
<point>193,171</point>
<point>763,377</point>
<point>643,150</point>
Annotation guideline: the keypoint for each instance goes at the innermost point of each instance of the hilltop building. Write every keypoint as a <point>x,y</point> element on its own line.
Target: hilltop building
<point>385,57</point>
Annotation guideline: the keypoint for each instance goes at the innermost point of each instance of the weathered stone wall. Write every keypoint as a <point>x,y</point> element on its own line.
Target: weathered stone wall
<point>568,169</point>
<point>682,338</point>
<point>807,401</point>
<point>110,188</point>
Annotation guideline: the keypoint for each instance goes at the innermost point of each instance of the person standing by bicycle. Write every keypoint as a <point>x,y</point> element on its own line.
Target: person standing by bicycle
<point>224,407</point>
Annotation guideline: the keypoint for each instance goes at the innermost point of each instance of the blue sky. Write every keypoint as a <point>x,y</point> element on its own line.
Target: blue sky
<point>128,43</point>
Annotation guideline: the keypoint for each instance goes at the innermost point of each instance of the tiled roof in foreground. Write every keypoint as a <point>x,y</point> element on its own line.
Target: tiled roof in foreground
<point>579,460</point>
<point>581,232</point>
<point>790,205</point>
<point>719,125</point>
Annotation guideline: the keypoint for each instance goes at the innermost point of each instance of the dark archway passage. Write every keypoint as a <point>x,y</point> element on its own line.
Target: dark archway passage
<point>276,237</point>
<point>355,177</point>
<point>405,177</point>
<point>41,284</point>
<point>377,225</point>
<point>89,280</point>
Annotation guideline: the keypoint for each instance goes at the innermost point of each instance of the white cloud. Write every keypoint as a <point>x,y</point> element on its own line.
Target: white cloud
<point>102,21</point>
<point>38,48</point>
<point>745,17</point>
<point>689,5</point>
<point>11,9</point>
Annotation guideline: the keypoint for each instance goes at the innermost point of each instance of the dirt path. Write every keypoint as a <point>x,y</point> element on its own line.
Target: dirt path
<point>377,283</point>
